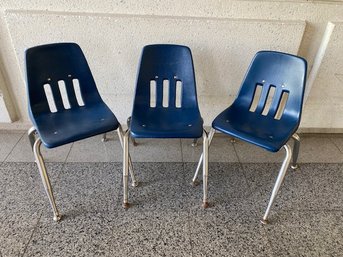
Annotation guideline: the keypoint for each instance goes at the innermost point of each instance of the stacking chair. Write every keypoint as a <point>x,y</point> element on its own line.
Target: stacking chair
<point>165,103</point>
<point>270,124</point>
<point>64,103</point>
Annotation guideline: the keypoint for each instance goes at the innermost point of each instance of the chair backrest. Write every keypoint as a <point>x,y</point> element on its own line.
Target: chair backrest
<point>58,78</point>
<point>274,86</point>
<point>166,80</point>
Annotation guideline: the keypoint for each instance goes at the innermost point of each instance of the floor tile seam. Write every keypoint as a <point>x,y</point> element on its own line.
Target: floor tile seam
<point>31,236</point>
<point>181,149</point>
<point>65,160</point>
<point>243,170</point>
<point>5,160</point>
<point>333,141</point>
<point>71,147</point>
<point>116,162</point>
<point>299,162</point>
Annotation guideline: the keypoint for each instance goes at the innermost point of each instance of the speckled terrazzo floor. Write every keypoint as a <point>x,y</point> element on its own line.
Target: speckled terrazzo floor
<point>166,218</point>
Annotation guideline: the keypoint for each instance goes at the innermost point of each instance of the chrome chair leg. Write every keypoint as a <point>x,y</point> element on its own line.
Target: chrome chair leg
<point>195,142</point>
<point>31,133</point>
<point>45,178</point>
<point>205,169</point>
<point>134,182</point>
<point>278,182</point>
<point>125,168</point>
<point>104,137</point>
<point>296,147</point>
<point>210,137</point>
<point>134,142</point>
<point>128,122</point>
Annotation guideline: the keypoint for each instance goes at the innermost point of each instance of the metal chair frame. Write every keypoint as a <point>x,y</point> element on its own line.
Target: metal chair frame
<point>49,64</point>
<point>275,124</point>
<point>285,164</point>
<point>173,63</point>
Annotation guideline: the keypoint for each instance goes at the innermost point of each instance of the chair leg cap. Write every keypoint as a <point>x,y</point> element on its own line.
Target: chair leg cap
<point>195,183</point>
<point>135,184</point>
<point>294,167</point>
<point>264,222</point>
<point>126,205</point>
<point>205,205</point>
<point>57,217</point>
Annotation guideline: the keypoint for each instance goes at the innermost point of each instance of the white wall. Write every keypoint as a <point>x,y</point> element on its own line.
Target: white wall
<point>223,36</point>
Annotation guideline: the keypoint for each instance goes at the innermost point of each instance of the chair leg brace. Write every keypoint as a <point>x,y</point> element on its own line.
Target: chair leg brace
<point>296,147</point>
<point>205,169</point>
<point>134,182</point>
<point>279,181</point>
<point>45,178</point>
<point>125,168</point>
<point>195,182</point>
<point>31,133</point>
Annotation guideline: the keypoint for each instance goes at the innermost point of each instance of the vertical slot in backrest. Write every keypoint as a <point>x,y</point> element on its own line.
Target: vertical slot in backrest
<point>50,98</point>
<point>178,98</point>
<point>64,95</point>
<point>165,99</point>
<point>282,105</point>
<point>152,93</point>
<point>269,100</point>
<point>77,90</point>
<point>256,99</point>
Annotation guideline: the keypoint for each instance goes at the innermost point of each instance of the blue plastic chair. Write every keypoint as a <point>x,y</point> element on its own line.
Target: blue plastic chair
<point>165,104</point>
<point>268,125</point>
<point>75,110</point>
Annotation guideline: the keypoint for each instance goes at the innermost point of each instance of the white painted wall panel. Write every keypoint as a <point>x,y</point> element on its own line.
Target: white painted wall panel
<point>222,49</point>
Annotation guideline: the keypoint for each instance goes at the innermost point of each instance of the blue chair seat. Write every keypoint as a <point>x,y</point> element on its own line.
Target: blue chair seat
<point>267,109</point>
<point>63,127</point>
<point>263,131</point>
<point>161,124</point>
<point>165,104</point>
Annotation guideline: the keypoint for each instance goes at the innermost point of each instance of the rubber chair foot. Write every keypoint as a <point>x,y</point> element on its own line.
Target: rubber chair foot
<point>195,183</point>
<point>294,167</point>
<point>264,222</point>
<point>126,205</point>
<point>205,205</point>
<point>135,184</point>
<point>57,217</point>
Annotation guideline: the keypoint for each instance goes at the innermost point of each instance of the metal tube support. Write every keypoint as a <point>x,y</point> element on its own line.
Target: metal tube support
<point>279,181</point>
<point>296,147</point>
<point>31,133</point>
<point>128,122</point>
<point>205,169</point>
<point>45,178</point>
<point>134,142</point>
<point>104,137</point>
<point>134,182</point>
<point>125,168</point>
<point>210,137</point>
<point>195,142</point>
